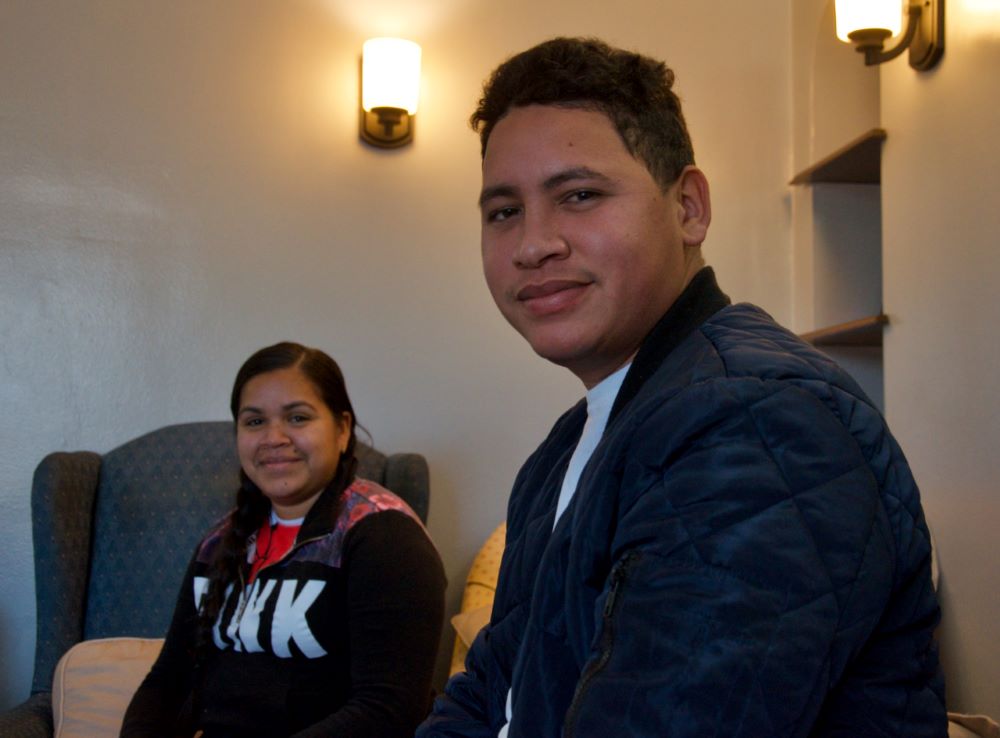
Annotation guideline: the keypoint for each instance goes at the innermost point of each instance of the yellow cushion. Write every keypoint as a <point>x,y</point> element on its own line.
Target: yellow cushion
<point>477,598</point>
<point>94,682</point>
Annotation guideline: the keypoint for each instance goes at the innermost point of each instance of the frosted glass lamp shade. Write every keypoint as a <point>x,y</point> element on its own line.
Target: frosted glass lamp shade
<point>390,74</point>
<point>859,15</point>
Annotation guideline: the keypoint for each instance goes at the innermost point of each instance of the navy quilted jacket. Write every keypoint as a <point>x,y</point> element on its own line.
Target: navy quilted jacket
<point>745,555</point>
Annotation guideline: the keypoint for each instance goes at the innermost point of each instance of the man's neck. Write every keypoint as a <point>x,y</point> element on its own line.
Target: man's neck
<point>694,262</point>
<point>701,299</point>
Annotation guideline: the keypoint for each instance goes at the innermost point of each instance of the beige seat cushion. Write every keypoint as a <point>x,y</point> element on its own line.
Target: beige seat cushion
<point>94,682</point>
<point>467,624</point>
<point>972,726</point>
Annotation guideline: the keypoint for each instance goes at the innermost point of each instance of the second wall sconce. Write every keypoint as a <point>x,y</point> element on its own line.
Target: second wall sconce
<point>390,90</point>
<point>868,24</point>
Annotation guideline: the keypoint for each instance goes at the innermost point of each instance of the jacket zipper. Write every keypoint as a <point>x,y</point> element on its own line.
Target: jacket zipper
<point>238,616</point>
<point>295,547</point>
<point>618,578</point>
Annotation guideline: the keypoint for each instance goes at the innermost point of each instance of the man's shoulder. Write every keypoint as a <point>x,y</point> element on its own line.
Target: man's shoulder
<point>741,345</point>
<point>741,368</point>
<point>751,341</point>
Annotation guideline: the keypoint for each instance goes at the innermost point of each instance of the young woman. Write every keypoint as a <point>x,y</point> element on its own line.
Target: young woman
<point>314,608</point>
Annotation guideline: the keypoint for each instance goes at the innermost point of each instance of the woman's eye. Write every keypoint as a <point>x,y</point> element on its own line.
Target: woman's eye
<point>298,419</point>
<point>252,422</point>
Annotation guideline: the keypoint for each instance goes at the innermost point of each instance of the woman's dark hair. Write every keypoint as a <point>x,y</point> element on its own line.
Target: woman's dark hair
<point>228,563</point>
<point>634,91</point>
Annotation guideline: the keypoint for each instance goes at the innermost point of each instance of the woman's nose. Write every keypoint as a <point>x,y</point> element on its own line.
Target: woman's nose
<point>275,434</point>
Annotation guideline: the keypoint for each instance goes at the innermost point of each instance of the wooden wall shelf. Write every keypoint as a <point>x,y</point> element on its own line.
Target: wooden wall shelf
<point>858,162</point>
<point>861,332</point>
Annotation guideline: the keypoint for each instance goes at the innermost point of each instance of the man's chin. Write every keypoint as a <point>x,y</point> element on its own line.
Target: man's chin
<point>568,356</point>
<point>583,358</point>
<point>556,351</point>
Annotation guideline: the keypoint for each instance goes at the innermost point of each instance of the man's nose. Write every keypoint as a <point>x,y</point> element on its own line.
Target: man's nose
<point>540,241</point>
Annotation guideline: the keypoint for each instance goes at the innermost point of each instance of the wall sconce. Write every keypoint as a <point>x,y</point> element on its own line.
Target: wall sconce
<point>869,23</point>
<point>390,89</point>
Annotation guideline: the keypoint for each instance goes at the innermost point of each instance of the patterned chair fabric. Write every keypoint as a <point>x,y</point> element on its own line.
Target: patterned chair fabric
<point>113,535</point>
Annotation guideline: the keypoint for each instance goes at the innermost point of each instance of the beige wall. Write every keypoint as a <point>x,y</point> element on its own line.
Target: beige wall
<point>181,183</point>
<point>940,270</point>
<point>834,99</point>
<point>941,228</point>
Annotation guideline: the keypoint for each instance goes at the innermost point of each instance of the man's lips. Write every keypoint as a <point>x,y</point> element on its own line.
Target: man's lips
<point>544,289</point>
<point>551,296</point>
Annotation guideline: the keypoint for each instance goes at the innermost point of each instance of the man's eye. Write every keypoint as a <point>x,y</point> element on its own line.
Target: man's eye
<point>501,214</point>
<point>581,196</point>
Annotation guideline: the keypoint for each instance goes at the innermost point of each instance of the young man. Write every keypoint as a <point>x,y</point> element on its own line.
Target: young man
<point>723,539</point>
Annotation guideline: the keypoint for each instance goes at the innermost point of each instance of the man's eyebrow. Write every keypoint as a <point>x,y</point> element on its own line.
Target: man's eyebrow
<point>489,193</point>
<point>556,180</point>
<point>569,175</point>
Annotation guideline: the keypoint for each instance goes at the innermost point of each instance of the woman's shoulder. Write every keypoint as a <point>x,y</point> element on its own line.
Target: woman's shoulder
<point>369,518</point>
<point>379,529</point>
<point>364,498</point>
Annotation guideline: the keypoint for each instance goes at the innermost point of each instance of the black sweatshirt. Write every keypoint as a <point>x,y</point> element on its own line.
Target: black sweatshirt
<point>337,639</point>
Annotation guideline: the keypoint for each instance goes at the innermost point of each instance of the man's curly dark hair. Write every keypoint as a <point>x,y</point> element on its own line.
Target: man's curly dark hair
<point>634,91</point>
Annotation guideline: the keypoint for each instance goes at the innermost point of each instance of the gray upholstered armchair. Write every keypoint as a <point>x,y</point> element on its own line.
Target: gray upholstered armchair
<point>113,534</point>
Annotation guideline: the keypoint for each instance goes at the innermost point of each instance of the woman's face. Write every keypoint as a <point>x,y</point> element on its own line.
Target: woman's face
<point>289,442</point>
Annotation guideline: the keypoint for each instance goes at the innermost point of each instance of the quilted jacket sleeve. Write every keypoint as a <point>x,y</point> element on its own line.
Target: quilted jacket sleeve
<point>772,568</point>
<point>461,712</point>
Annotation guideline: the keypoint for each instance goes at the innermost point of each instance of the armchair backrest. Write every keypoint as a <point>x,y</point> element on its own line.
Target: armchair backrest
<point>113,534</point>
<point>156,497</point>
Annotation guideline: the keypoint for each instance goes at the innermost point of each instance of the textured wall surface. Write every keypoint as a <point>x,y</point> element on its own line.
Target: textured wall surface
<point>941,266</point>
<point>181,183</point>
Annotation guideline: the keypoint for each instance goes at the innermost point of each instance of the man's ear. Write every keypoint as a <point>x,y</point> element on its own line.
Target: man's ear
<point>696,205</point>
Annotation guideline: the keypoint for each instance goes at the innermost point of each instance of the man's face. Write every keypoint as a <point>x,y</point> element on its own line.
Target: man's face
<point>582,250</point>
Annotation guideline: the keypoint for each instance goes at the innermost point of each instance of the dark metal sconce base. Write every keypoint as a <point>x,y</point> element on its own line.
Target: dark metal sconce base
<point>924,37</point>
<point>928,44</point>
<point>386,128</point>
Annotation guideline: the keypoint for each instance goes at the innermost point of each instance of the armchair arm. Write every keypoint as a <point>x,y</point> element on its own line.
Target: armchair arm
<point>31,719</point>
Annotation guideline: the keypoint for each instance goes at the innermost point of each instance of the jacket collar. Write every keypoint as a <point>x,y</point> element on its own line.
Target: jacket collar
<point>699,301</point>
